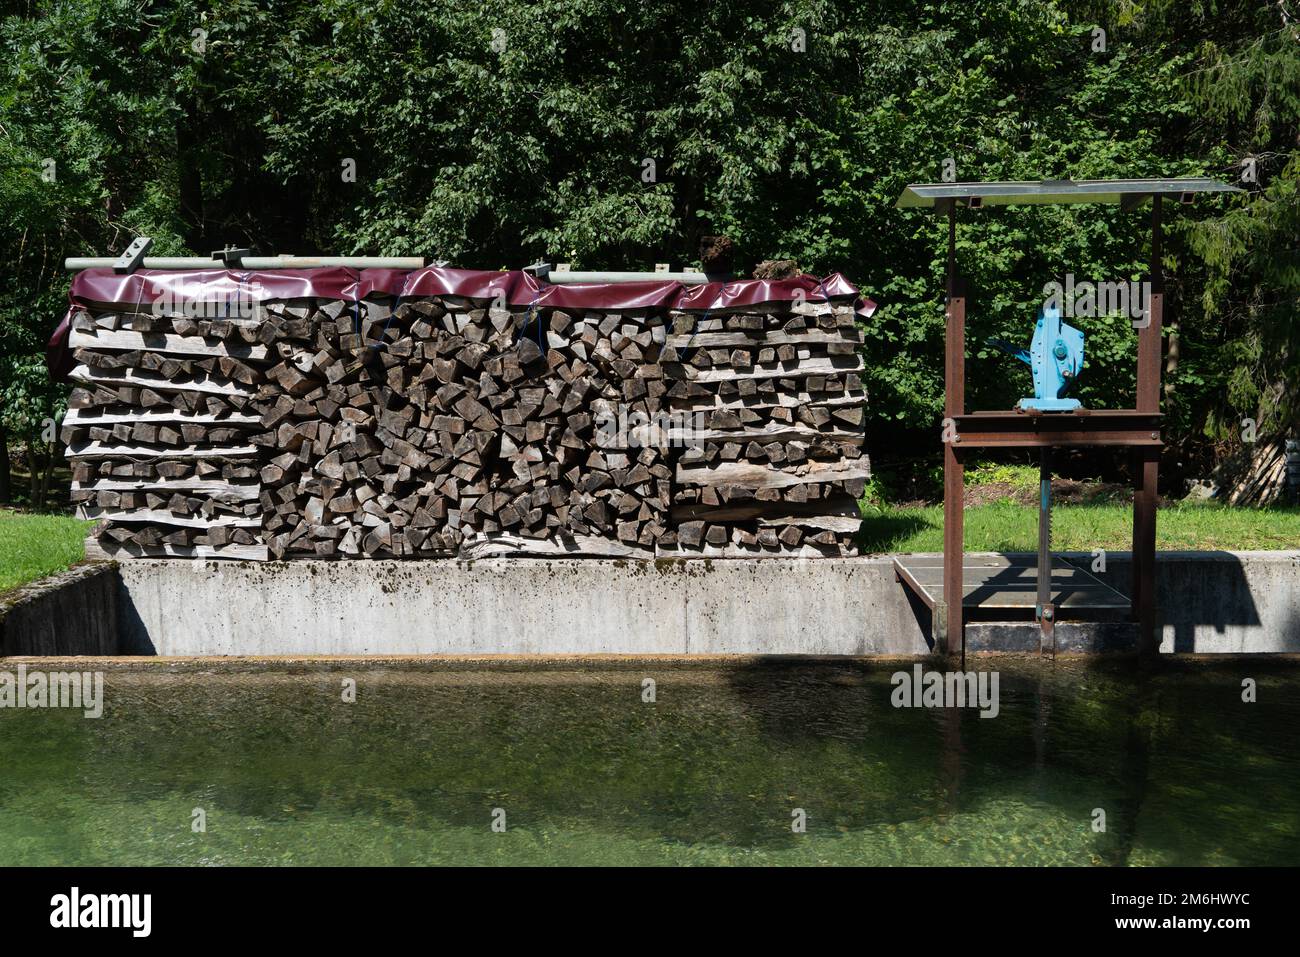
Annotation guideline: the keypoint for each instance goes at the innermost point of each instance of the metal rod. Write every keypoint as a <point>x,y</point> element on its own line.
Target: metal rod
<point>1144,549</point>
<point>254,262</point>
<point>952,247</point>
<point>1150,338</point>
<point>954,366</point>
<point>1146,462</point>
<point>1045,612</point>
<point>687,278</point>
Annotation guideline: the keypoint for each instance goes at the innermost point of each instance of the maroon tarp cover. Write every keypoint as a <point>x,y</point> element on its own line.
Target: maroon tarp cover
<point>103,288</point>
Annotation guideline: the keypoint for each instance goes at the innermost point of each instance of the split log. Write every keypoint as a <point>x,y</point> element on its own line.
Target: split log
<point>774,461</point>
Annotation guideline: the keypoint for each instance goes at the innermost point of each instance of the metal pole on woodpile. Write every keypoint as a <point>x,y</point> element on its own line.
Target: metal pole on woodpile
<point>953,472</point>
<point>558,278</point>
<point>1147,460</point>
<point>76,263</point>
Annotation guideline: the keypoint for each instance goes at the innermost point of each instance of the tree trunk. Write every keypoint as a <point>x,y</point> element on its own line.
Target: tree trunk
<point>4,466</point>
<point>33,471</point>
<point>1171,359</point>
<point>51,459</point>
<point>190,179</point>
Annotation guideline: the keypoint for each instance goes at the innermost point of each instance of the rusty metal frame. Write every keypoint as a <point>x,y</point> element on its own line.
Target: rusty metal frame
<point>1135,429</point>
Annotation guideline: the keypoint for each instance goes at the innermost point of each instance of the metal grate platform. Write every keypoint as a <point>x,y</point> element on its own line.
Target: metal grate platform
<point>1004,587</point>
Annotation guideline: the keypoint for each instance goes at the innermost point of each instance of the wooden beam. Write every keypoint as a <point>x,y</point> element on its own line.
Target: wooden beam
<point>748,475</point>
<point>830,365</point>
<point>759,338</point>
<point>90,416</point>
<point>774,432</point>
<point>772,513</point>
<point>214,385</point>
<point>774,400</point>
<point>96,549</point>
<point>221,491</point>
<point>103,450</point>
<point>502,545</point>
<point>129,515</point>
<point>746,552</point>
<point>168,344</point>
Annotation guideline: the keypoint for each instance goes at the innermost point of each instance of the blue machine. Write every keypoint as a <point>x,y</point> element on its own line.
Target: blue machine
<point>1055,356</point>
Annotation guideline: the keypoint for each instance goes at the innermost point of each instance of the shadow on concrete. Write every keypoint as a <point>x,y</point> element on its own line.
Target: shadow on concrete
<point>923,615</point>
<point>1211,604</point>
<point>1207,601</point>
<point>132,634</point>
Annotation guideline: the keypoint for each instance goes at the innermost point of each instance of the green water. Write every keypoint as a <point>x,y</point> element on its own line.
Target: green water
<point>709,773</point>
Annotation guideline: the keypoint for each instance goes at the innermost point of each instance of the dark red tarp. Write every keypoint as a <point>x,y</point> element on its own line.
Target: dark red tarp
<point>103,288</point>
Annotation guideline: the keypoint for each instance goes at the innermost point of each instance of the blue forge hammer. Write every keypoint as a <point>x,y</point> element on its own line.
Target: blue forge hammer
<point>1055,356</point>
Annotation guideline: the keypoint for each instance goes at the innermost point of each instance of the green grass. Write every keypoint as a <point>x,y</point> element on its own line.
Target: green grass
<point>33,546</point>
<point>1023,477</point>
<point>1005,526</point>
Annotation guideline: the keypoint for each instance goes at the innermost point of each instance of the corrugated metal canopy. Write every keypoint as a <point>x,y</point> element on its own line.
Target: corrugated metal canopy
<point>1127,192</point>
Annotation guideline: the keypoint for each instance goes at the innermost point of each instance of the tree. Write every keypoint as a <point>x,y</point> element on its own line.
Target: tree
<point>607,135</point>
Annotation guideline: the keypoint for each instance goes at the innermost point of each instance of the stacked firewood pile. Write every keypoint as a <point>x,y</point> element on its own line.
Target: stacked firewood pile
<point>1262,474</point>
<point>448,426</point>
<point>159,429</point>
<point>778,466</point>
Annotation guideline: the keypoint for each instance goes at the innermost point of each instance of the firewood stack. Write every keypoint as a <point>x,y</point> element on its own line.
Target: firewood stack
<point>777,466</point>
<point>445,426</point>
<point>158,433</point>
<point>450,426</point>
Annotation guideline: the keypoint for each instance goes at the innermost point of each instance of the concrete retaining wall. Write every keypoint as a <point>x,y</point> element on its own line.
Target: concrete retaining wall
<point>1220,602</point>
<point>523,606</point>
<point>1210,602</point>
<point>72,613</point>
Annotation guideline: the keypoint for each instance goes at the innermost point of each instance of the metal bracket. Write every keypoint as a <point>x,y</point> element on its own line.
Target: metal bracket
<point>1130,201</point>
<point>133,255</point>
<point>1047,630</point>
<point>539,269</point>
<point>233,257</point>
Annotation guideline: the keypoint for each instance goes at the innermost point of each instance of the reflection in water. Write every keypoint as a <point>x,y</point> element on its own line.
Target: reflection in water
<point>587,772</point>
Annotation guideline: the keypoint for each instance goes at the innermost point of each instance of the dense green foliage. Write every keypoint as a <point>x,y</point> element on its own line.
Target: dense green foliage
<point>495,133</point>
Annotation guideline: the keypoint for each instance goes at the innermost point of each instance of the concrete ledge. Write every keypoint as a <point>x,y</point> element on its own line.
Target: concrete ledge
<point>1218,602</point>
<point>521,606</point>
<point>1210,603</point>
<point>71,613</point>
<point>1072,637</point>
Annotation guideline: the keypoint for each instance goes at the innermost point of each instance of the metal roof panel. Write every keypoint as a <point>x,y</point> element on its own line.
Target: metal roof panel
<point>1050,192</point>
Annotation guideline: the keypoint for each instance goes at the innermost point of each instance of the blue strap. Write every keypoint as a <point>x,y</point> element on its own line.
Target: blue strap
<point>703,318</point>
<point>532,311</point>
